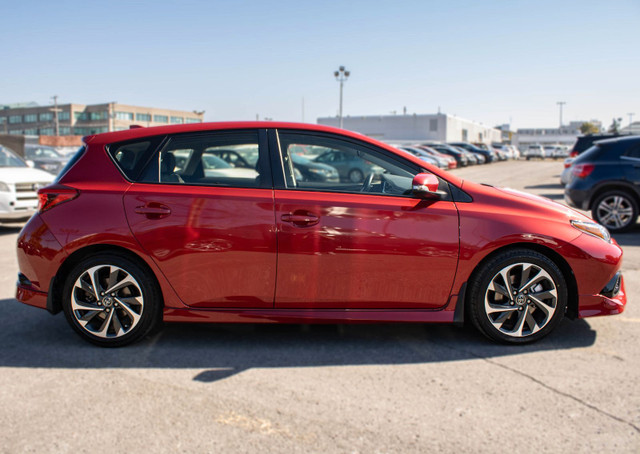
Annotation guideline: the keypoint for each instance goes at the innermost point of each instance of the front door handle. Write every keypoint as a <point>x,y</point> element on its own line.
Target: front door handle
<point>300,219</point>
<point>153,210</point>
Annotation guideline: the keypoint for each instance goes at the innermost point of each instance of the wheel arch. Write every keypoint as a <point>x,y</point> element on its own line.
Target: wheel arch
<point>567,273</point>
<point>613,186</point>
<point>54,298</point>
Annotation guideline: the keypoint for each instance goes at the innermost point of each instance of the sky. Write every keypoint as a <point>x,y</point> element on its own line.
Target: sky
<point>493,62</point>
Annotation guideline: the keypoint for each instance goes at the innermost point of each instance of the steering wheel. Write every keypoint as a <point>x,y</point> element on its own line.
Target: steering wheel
<point>367,183</point>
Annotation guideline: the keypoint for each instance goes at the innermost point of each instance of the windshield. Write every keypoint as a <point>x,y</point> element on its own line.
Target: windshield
<point>8,159</point>
<point>35,153</point>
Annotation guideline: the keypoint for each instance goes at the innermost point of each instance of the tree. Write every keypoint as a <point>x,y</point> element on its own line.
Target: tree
<point>589,128</point>
<point>615,126</point>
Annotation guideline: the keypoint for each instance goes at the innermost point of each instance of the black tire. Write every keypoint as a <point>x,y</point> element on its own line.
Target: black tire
<point>619,222</point>
<point>356,176</point>
<point>510,311</point>
<point>129,319</point>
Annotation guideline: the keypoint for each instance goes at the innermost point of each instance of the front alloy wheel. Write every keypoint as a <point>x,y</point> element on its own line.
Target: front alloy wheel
<point>519,296</point>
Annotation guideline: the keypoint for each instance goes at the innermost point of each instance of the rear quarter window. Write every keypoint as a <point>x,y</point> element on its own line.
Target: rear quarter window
<point>76,157</point>
<point>132,156</point>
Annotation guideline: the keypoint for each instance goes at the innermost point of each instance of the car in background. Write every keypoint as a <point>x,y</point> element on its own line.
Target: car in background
<point>488,156</point>
<point>119,249</point>
<point>583,143</point>
<point>534,151</point>
<point>349,167</point>
<point>497,154</point>
<point>19,185</point>
<point>315,170</point>
<point>45,158</point>
<point>473,157</point>
<point>461,158</point>
<point>565,177</point>
<point>606,180</point>
<point>425,156</point>
<point>450,160</point>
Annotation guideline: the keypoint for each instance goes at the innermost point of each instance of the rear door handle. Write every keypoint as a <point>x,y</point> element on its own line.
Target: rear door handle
<point>153,210</point>
<point>300,219</point>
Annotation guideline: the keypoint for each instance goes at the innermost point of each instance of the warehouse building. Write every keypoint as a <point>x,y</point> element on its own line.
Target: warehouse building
<point>82,119</point>
<point>417,127</point>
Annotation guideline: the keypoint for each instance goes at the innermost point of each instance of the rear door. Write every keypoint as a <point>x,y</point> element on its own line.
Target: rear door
<point>208,224</point>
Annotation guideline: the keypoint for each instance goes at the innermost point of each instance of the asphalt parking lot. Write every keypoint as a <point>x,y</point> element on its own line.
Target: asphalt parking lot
<point>359,388</point>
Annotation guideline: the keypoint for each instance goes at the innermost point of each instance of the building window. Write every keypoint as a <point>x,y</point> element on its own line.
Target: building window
<point>193,120</point>
<point>98,115</point>
<point>64,130</point>
<point>161,119</point>
<point>16,132</point>
<point>31,118</point>
<point>31,132</point>
<point>13,119</point>
<point>124,116</point>
<point>46,116</point>
<point>143,117</point>
<point>433,125</point>
<point>177,120</point>
<point>120,128</point>
<point>63,116</point>
<point>46,131</point>
<point>465,135</point>
<point>80,116</point>
<point>3,120</point>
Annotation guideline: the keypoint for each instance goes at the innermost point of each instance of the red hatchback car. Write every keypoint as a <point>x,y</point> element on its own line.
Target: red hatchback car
<point>238,222</point>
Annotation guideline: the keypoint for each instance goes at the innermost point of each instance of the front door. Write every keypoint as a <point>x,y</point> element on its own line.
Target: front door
<point>364,245</point>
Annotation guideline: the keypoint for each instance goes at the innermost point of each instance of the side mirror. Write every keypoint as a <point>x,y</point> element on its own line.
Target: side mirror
<point>425,185</point>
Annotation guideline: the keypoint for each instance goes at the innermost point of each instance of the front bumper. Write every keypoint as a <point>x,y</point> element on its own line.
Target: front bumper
<point>593,305</point>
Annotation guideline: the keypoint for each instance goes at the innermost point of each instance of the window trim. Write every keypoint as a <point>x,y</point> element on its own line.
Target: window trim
<point>280,180</point>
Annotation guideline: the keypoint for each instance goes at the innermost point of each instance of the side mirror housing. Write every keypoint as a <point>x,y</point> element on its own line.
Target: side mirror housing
<point>425,185</point>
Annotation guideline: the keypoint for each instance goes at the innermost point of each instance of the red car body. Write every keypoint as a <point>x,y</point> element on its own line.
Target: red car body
<point>272,254</point>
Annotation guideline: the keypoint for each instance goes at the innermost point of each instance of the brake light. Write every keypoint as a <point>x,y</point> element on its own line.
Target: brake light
<point>568,164</point>
<point>573,154</point>
<point>582,170</point>
<point>53,195</point>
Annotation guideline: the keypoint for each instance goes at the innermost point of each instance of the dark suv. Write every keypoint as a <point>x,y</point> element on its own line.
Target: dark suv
<point>583,143</point>
<point>606,180</point>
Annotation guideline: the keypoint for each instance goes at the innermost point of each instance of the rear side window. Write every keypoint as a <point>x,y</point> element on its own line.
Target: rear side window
<point>76,157</point>
<point>633,151</point>
<point>131,157</point>
<point>589,155</point>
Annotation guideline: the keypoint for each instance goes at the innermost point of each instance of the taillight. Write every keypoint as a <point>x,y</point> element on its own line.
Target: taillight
<point>568,164</point>
<point>582,170</point>
<point>53,195</point>
<point>573,154</point>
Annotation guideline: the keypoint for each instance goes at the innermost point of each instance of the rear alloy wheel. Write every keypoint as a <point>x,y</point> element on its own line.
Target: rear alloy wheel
<point>356,176</point>
<point>616,210</point>
<point>518,297</point>
<point>111,301</point>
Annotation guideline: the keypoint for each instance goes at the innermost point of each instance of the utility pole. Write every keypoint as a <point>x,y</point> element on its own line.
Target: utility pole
<point>631,114</point>
<point>55,110</point>
<point>341,76</point>
<point>561,103</point>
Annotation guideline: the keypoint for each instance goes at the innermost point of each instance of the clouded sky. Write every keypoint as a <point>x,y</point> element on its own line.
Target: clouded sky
<point>489,61</point>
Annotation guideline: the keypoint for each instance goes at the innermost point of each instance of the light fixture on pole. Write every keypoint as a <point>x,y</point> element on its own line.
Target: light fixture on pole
<point>561,103</point>
<point>341,76</point>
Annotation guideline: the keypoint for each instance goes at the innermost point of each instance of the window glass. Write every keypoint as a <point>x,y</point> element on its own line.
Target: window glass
<point>193,120</point>
<point>13,119</point>
<point>46,131</point>
<point>124,116</point>
<point>212,159</point>
<point>633,152</point>
<point>330,164</point>
<point>161,118</point>
<point>131,157</point>
<point>30,118</point>
<point>143,117</point>
<point>177,120</point>
<point>98,115</point>
<point>63,115</point>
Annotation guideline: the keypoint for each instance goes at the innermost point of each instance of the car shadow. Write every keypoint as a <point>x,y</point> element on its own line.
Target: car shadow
<point>545,186</point>
<point>32,338</point>
<point>553,196</point>
<point>629,238</point>
<point>10,229</point>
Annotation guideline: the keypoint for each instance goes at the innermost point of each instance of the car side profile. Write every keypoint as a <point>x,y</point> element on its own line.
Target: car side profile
<point>126,238</point>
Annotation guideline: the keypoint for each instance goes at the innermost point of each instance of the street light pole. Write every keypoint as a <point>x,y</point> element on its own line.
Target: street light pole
<point>561,103</point>
<point>631,114</point>
<point>341,76</point>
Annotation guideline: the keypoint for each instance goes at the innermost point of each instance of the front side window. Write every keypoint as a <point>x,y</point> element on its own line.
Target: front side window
<point>323,163</point>
<point>212,159</point>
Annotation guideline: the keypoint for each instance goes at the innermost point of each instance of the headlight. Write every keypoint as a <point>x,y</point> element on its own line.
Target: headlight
<point>592,228</point>
<point>319,171</point>
<point>4,187</point>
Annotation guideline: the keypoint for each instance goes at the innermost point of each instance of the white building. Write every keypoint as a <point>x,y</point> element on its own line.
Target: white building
<point>416,127</point>
<point>633,128</point>
<point>566,135</point>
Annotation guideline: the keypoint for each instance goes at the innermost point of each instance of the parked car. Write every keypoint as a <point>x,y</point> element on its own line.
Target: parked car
<point>450,160</point>
<point>461,158</point>
<point>565,177</point>
<point>19,184</point>
<point>488,156</point>
<point>45,158</point>
<point>350,168</point>
<point>534,151</point>
<point>606,180</point>
<point>583,143</point>
<point>429,158</point>
<point>497,156</point>
<point>473,157</point>
<point>118,248</point>
<point>316,170</point>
